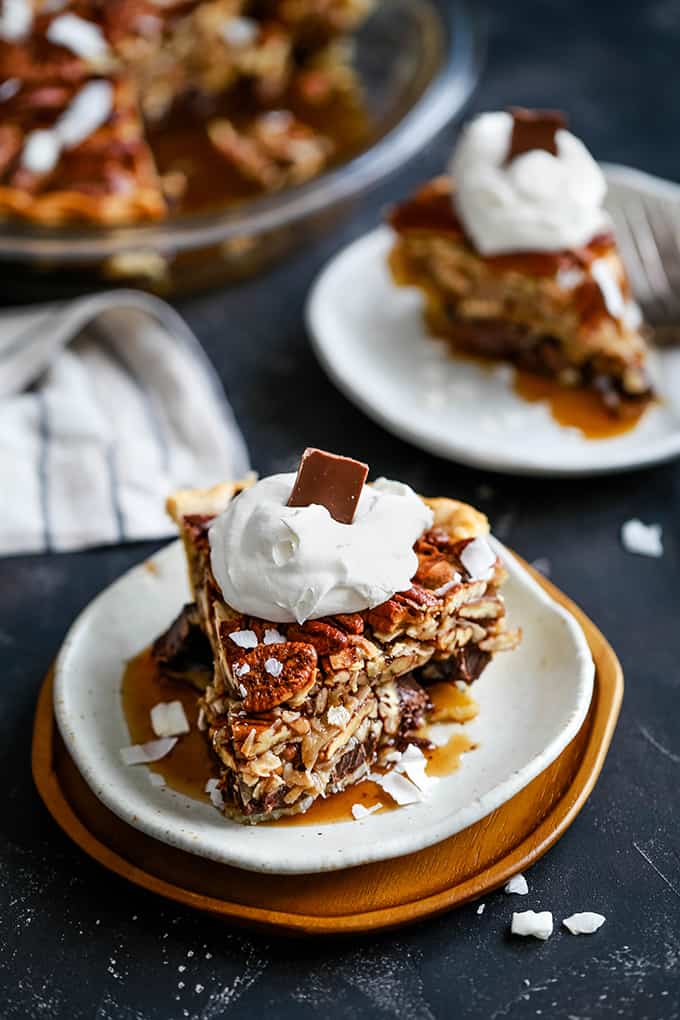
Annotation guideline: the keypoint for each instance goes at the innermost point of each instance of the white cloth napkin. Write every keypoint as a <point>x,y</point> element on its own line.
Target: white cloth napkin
<point>107,404</point>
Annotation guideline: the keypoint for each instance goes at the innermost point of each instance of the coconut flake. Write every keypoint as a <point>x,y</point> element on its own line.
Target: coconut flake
<point>273,637</point>
<point>201,722</point>
<point>168,719</point>
<point>212,788</point>
<point>567,279</point>
<point>156,779</point>
<point>16,20</point>
<point>604,277</point>
<point>244,638</point>
<point>240,669</point>
<point>40,153</point>
<point>239,32</point>
<point>81,37</point>
<point>152,750</point>
<point>338,716</point>
<point>359,811</point>
<point>643,539</point>
<point>273,667</point>
<point>9,89</point>
<point>481,908</point>
<point>89,109</point>
<point>479,559</point>
<point>539,925</point>
<point>517,886</point>
<point>413,763</point>
<point>442,590</point>
<point>400,789</point>
<point>584,923</point>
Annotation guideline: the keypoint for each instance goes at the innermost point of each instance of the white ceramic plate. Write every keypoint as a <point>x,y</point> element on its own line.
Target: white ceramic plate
<point>532,702</point>
<point>369,336</point>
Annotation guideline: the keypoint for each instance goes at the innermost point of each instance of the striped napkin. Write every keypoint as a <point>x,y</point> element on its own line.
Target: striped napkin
<point>107,404</point>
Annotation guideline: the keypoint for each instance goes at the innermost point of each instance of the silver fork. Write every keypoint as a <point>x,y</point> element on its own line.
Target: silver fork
<point>647,230</point>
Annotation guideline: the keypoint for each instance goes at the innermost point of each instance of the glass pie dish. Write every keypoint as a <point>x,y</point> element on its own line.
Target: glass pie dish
<point>417,62</point>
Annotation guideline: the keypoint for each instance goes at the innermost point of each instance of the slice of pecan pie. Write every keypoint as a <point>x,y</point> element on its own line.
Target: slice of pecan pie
<point>298,711</point>
<point>560,310</point>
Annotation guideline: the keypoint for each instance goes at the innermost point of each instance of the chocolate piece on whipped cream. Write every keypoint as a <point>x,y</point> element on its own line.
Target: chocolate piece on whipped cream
<point>534,129</point>
<point>331,481</point>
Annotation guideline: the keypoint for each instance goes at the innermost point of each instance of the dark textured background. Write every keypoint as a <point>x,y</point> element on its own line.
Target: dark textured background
<point>77,942</point>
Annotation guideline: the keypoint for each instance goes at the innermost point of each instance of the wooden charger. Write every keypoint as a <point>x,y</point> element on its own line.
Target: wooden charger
<point>373,896</point>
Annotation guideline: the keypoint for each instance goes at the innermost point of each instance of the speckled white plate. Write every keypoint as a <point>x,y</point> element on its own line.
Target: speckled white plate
<point>370,337</point>
<point>532,703</point>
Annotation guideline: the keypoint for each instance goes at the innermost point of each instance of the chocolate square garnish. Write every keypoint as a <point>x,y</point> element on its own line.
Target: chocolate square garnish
<point>331,481</point>
<point>534,129</point>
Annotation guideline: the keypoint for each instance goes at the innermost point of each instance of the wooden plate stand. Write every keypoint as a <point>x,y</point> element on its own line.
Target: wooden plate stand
<point>372,897</point>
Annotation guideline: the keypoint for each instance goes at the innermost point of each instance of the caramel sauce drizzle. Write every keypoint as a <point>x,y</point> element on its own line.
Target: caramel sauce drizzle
<point>191,762</point>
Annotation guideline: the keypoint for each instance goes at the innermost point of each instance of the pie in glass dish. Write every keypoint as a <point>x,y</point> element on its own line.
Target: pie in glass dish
<point>117,112</point>
<point>330,608</point>
<point>517,260</point>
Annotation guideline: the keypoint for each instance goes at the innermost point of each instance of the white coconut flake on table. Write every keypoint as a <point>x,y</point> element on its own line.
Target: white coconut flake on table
<point>41,150</point>
<point>359,811</point>
<point>399,788</point>
<point>244,638</point>
<point>16,20</point>
<point>517,886</point>
<point>212,788</point>
<point>481,908</point>
<point>78,35</point>
<point>168,719</point>
<point>273,637</point>
<point>152,750</point>
<point>479,559</point>
<point>88,110</point>
<point>528,922</point>
<point>643,539</point>
<point>584,923</point>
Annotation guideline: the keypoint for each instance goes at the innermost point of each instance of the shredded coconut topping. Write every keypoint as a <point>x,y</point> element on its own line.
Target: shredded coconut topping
<point>244,639</point>
<point>9,89</point>
<point>82,37</point>
<point>238,32</point>
<point>479,559</point>
<point>16,20</point>
<point>273,637</point>
<point>41,150</point>
<point>241,669</point>
<point>338,715</point>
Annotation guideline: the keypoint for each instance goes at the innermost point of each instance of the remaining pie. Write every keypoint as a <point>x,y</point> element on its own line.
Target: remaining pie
<point>517,259</point>
<point>109,109</point>
<point>300,710</point>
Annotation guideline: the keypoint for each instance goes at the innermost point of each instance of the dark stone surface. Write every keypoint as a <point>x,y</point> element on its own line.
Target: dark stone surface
<point>76,942</point>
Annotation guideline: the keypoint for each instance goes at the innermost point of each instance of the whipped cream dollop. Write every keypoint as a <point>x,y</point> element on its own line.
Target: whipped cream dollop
<point>284,563</point>
<point>537,202</point>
